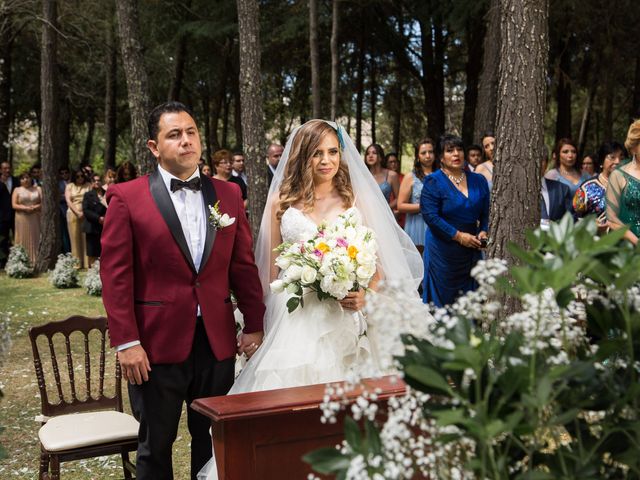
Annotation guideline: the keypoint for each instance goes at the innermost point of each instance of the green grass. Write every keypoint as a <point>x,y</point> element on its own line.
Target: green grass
<point>30,302</point>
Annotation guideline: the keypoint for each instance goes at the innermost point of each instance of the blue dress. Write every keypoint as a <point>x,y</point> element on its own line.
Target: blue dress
<point>385,186</point>
<point>446,210</point>
<point>414,224</point>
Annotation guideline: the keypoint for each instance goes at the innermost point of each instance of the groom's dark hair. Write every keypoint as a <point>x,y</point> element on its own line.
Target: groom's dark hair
<point>166,107</point>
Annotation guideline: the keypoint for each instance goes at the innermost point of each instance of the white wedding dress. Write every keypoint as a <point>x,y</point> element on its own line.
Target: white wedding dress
<point>318,343</point>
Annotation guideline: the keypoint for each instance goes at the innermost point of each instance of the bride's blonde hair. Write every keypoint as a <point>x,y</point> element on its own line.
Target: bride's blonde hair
<point>297,184</point>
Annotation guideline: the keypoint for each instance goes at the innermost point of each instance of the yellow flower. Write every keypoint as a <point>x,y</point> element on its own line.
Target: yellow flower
<point>352,251</point>
<point>323,247</point>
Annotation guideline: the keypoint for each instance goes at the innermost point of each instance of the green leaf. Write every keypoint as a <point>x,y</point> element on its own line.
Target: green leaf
<point>327,460</point>
<point>293,303</point>
<point>352,434</point>
<point>449,417</point>
<point>429,378</point>
<point>373,437</point>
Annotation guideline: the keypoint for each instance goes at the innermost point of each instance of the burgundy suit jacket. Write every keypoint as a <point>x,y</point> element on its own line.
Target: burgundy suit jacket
<point>150,287</point>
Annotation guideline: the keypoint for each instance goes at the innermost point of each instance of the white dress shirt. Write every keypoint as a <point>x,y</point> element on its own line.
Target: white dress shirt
<point>189,207</point>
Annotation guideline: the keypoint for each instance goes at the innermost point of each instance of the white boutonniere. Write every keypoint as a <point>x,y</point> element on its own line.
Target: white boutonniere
<point>219,220</point>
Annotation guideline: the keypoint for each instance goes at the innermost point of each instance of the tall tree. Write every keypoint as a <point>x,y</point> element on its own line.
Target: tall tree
<point>49,245</point>
<point>314,49</point>
<point>488,85</point>
<point>110,97</point>
<point>335,57</point>
<point>180,57</point>
<point>635,103</point>
<point>6,43</point>
<point>524,51</point>
<point>474,36</point>
<point>137,81</point>
<point>563,92</point>
<point>252,110</point>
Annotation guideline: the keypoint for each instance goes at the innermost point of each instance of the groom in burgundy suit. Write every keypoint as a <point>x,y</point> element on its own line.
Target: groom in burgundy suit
<point>166,275</point>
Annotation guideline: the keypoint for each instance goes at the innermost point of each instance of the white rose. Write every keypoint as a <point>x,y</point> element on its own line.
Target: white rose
<point>292,288</point>
<point>365,272</point>
<point>365,257</point>
<point>277,286</point>
<point>283,262</point>
<point>226,220</point>
<point>293,273</point>
<point>308,275</point>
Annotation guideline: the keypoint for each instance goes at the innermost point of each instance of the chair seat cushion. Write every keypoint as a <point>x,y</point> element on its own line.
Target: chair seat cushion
<point>76,430</point>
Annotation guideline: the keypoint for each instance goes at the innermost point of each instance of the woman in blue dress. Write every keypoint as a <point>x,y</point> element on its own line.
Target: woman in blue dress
<point>455,206</point>
<point>425,163</point>
<point>567,168</point>
<point>386,179</point>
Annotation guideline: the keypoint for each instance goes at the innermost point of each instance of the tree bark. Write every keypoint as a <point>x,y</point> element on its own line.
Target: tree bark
<point>180,59</point>
<point>374,98</point>
<point>49,244</point>
<point>63,131</point>
<point>563,94</point>
<point>431,31</point>
<point>515,199</point>
<point>474,35</point>
<point>360,89</point>
<point>488,84</point>
<point>252,110</point>
<point>6,46</point>
<point>586,116</point>
<point>110,98</point>
<point>396,95</point>
<point>206,113</point>
<point>88,143</point>
<point>608,105</point>
<point>335,57</point>
<point>314,50</point>
<point>137,82</point>
<point>635,103</point>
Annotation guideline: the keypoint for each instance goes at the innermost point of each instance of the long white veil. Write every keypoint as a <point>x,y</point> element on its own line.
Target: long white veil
<point>398,258</point>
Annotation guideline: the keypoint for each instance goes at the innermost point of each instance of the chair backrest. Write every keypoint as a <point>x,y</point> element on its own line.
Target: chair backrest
<point>69,395</point>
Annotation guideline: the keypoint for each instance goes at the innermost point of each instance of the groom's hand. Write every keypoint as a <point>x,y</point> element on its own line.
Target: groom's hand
<point>135,364</point>
<point>248,343</point>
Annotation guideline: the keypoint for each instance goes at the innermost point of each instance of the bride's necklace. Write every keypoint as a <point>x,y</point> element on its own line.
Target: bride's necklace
<point>456,180</point>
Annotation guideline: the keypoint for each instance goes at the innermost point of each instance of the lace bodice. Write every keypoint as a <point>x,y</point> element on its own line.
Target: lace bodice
<point>295,226</point>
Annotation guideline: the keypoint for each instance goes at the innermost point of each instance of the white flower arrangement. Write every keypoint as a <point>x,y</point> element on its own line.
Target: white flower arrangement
<point>219,220</point>
<point>339,259</point>
<point>65,273</point>
<point>18,264</point>
<point>92,281</point>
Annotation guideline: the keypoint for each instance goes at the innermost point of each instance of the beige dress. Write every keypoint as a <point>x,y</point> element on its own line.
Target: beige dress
<point>28,223</point>
<point>74,224</point>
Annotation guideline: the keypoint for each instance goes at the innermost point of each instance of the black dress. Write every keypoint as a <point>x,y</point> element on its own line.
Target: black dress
<point>93,209</point>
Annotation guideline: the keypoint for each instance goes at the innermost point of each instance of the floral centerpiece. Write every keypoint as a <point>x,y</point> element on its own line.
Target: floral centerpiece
<point>340,258</point>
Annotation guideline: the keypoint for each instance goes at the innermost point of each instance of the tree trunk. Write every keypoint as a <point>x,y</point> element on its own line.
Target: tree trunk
<point>180,59</point>
<point>396,95</point>
<point>360,90</point>
<point>206,113</point>
<point>474,35</point>
<point>586,116</point>
<point>88,143</point>
<point>63,132</point>
<point>252,110</point>
<point>225,120</point>
<point>335,58</point>
<point>608,105</point>
<point>488,85</point>
<point>137,82</point>
<point>314,50</point>
<point>6,44</point>
<point>515,199</point>
<point>110,98</point>
<point>431,32</point>
<point>49,244</point>
<point>237,114</point>
<point>374,98</point>
<point>563,95</point>
<point>635,103</point>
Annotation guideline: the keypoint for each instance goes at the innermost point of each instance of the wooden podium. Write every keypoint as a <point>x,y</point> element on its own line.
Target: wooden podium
<point>263,435</point>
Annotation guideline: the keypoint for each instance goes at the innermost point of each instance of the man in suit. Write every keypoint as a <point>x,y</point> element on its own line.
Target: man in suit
<point>167,274</point>
<point>274,152</point>
<point>555,199</point>
<point>8,183</point>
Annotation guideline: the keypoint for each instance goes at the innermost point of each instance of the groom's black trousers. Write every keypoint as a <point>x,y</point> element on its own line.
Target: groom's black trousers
<point>157,405</point>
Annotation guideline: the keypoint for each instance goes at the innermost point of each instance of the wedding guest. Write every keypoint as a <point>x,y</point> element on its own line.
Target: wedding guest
<point>424,164</point>
<point>589,165</point>
<point>126,172</point>
<point>94,208</point>
<point>110,177</point>
<point>222,164</point>
<point>26,200</point>
<point>474,156</point>
<point>486,167</point>
<point>63,180</point>
<point>238,168</point>
<point>74,195</point>
<point>623,189</point>
<point>274,152</point>
<point>555,198</point>
<point>205,170</point>
<point>590,196</point>
<point>567,170</point>
<point>36,174</point>
<point>8,183</point>
<point>392,162</point>
<point>455,206</point>
<point>386,179</point>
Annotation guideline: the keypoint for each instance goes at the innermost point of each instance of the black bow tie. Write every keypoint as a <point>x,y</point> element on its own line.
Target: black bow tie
<point>193,184</point>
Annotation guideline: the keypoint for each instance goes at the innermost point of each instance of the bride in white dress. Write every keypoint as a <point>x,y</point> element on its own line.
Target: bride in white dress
<point>320,177</point>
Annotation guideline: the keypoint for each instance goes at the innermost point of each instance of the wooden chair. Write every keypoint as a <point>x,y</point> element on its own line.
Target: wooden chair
<point>80,426</point>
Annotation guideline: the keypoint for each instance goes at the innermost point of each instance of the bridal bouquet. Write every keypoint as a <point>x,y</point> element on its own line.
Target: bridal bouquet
<point>338,259</point>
